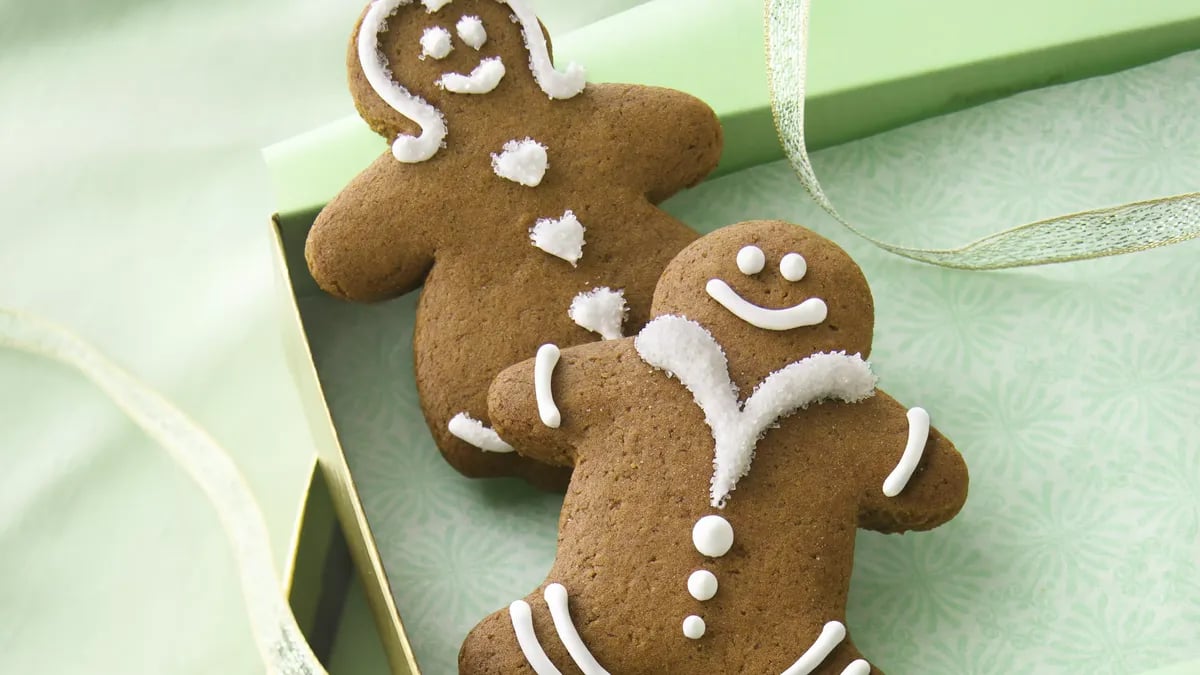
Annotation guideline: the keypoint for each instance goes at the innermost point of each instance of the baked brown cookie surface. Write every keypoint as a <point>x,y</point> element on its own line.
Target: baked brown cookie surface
<point>723,460</point>
<point>512,191</point>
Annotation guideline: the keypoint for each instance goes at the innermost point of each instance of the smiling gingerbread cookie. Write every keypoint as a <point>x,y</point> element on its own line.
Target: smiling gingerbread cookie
<point>723,459</point>
<point>521,197</point>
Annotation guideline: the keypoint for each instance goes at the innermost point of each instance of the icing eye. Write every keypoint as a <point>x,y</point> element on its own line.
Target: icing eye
<point>750,260</point>
<point>435,43</point>
<point>471,31</point>
<point>793,267</point>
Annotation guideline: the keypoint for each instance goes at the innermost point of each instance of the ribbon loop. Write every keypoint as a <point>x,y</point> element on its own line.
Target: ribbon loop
<point>1097,233</point>
<point>280,641</point>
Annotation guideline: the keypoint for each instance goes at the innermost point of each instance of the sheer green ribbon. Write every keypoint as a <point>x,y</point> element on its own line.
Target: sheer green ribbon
<point>1126,228</point>
<point>280,642</point>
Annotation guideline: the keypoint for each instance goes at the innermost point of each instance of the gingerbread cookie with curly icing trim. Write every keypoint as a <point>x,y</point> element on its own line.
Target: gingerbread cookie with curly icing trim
<point>522,197</point>
<point>723,459</point>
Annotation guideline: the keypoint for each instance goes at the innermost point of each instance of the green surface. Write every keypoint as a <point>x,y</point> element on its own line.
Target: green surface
<point>133,208</point>
<point>874,65</point>
<point>135,213</point>
<point>1070,389</point>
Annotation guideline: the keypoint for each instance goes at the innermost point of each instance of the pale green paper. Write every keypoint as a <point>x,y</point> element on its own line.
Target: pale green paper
<point>1071,391</point>
<point>135,211</point>
<point>282,646</point>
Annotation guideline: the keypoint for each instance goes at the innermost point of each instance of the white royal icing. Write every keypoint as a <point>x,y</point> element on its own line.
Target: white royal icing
<point>793,267</point>
<point>522,622</point>
<point>808,313</point>
<point>470,430</point>
<point>471,31</point>
<point>702,585</point>
<point>831,636</point>
<point>600,310</point>
<point>712,536</point>
<point>484,78</point>
<point>555,84</point>
<point>560,237</point>
<point>405,148</point>
<point>556,599</point>
<point>918,434</point>
<point>751,260</point>
<point>857,667</point>
<point>693,627</point>
<point>685,350</point>
<point>543,370</point>
<point>436,43</point>
<point>523,162</point>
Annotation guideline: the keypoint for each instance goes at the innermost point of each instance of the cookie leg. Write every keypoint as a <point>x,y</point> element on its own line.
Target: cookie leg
<point>512,641</point>
<point>536,635</point>
<point>491,649</point>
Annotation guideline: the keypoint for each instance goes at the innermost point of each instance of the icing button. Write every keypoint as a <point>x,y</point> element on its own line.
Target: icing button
<point>471,31</point>
<point>435,43</point>
<point>693,627</point>
<point>751,260</point>
<point>702,584</point>
<point>793,267</point>
<point>712,536</point>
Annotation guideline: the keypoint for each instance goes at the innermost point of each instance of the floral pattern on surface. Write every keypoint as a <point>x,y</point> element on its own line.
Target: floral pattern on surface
<point>1072,391</point>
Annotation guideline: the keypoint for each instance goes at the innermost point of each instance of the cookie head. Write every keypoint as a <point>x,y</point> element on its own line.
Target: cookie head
<point>416,65</point>
<point>770,292</point>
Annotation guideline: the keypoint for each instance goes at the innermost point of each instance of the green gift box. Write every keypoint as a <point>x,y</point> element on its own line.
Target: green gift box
<point>873,65</point>
<point>1069,389</point>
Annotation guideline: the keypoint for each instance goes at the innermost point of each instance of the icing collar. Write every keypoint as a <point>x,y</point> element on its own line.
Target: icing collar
<point>685,350</point>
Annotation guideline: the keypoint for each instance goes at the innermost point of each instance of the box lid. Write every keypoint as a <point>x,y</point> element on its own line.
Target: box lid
<point>874,65</point>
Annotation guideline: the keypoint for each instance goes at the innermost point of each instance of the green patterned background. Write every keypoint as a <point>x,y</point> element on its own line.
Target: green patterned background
<point>1071,390</point>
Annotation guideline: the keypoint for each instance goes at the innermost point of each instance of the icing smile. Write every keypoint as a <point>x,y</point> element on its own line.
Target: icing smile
<point>485,76</point>
<point>750,261</point>
<point>436,43</point>
<point>482,79</point>
<point>808,313</point>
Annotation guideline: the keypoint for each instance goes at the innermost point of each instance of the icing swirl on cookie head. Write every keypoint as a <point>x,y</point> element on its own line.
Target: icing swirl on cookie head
<point>436,43</point>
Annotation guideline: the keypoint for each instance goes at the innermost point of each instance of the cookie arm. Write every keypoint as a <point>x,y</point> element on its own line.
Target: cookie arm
<point>916,482</point>
<point>665,140</point>
<point>578,385</point>
<point>372,241</point>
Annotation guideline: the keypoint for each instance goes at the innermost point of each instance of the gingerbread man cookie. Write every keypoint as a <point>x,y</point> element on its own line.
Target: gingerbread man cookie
<point>521,197</point>
<point>723,459</point>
